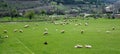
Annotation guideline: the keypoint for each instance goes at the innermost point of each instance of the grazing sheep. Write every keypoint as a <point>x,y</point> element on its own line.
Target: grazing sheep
<point>76,24</point>
<point>6,36</point>
<point>64,20</point>
<point>62,31</point>
<point>88,46</point>
<point>78,46</point>
<point>61,23</point>
<point>65,23</point>
<point>45,33</point>
<point>71,20</point>
<point>113,28</point>
<point>45,42</point>
<point>108,31</point>
<point>56,23</point>
<point>82,31</point>
<point>15,30</point>
<point>46,29</point>
<point>26,26</point>
<point>86,24</point>
<point>5,31</point>
<point>21,31</point>
<point>80,24</point>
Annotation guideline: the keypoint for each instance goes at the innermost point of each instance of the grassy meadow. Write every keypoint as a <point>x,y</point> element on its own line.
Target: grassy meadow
<point>31,41</point>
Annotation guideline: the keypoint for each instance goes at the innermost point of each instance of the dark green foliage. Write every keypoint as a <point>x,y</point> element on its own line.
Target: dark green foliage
<point>13,13</point>
<point>3,4</point>
<point>43,11</point>
<point>29,14</point>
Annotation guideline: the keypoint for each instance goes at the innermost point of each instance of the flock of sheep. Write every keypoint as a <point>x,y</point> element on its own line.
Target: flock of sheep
<point>81,46</point>
<point>62,31</point>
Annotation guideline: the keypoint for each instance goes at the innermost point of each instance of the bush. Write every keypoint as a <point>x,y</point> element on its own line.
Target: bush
<point>29,14</point>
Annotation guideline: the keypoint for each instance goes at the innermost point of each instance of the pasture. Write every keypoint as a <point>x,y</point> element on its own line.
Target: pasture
<point>31,40</point>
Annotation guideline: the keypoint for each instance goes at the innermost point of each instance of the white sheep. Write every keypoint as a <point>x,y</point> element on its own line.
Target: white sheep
<point>62,31</point>
<point>15,30</point>
<point>88,46</point>
<point>78,46</point>
<point>113,28</point>
<point>46,29</point>
<point>86,24</point>
<point>56,23</point>
<point>76,24</point>
<point>82,31</point>
<point>5,31</point>
<point>61,23</point>
<point>45,33</point>
<point>80,24</point>
<point>108,31</point>
<point>6,36</point>
<point>64,20</point>
<point>21,31</point>
<point>26,26</point>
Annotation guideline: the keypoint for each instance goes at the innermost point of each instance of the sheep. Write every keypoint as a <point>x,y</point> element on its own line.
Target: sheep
<point>80,24</point>
<point>64,20</point>
<point>86,24</point>
<point>21,31</point>
<point>5,31</point>
<point>45,42</point>
<point>78,46</point>
<point>6,36</point>
<point>45,33</point>
<point>76,24</point>
<point>113,28</point>
<point>88,46</point>
<point>82,31</point>
<point>71,20</point>
<point>62,23</point>
<point>46,29</point>
<point>62,31</point>
<point>56,23</point>
<point>26,26</point>
<point>108,31</point>
<point>15,30</point>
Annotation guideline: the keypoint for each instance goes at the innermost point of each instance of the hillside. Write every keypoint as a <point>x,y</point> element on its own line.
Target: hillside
<point>7,5</point>
<point>25,4</point>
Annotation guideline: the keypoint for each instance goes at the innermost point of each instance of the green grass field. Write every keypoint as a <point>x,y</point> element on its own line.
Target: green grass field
<point>32,39</point>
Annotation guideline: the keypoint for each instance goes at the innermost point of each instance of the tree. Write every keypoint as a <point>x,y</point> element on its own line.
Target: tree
<point>29,14</point>
<point>13,13</point>
<point>54,5</point>
<point>43,12</point>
